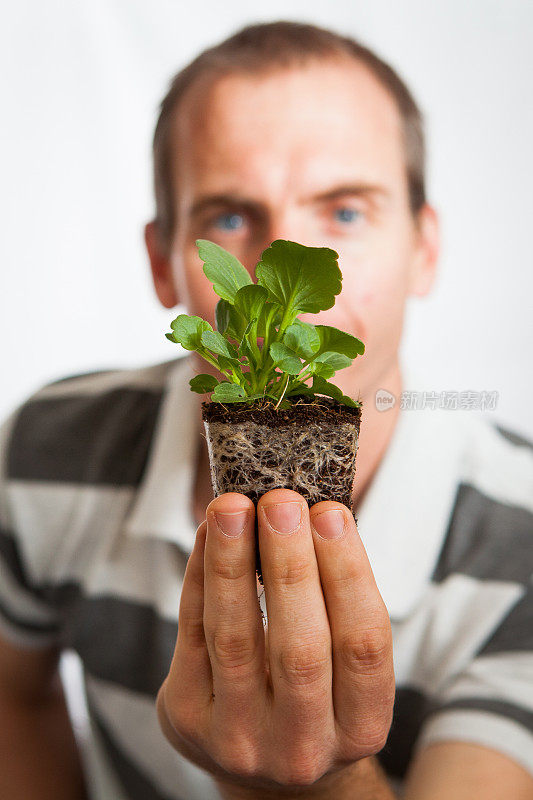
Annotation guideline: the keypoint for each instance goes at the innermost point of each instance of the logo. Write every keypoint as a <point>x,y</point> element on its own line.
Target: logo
<point>384,400</point>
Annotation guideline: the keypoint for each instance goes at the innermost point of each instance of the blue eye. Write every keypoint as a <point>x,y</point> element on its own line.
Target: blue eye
<point>347,214</point>
<point>229,222</point>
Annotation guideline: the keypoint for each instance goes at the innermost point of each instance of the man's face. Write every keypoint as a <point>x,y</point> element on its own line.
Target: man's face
<point>315,155</point>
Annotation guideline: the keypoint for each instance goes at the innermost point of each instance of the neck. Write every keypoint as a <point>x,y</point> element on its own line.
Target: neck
<point>376,432</point>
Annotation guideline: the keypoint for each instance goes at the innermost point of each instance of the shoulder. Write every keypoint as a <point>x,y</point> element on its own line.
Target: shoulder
<point>72,457</point>
<point>500,459</point>
<point>514,436</point>
<point>91,428</point>
<point>490,533</point>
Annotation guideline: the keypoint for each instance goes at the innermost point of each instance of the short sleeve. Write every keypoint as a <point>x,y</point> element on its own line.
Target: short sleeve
<point>26,619</point>
<point>491,701</point>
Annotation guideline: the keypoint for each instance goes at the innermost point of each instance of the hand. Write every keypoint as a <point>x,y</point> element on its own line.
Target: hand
<point>307,694</point>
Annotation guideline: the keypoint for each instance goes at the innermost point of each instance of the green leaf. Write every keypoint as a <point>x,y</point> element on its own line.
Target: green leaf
<point>333,361</point>
<point>171,337</point>
<point>215,342</point>
<point>298,387</point>
<point>320,386</point>
<point>223,269</point>
<point>302,338</point>
<point>334,340</point>
<point>300,278</point>
<point>226,392</point>
<point>285,358</point>
<point>188,331</point>
<point>349,401</point>
<point>318,368</point>
<point>276,318</point>
<point>229,321</point>
<point>228,364</point>
<point>250,300</point>
<point>222,315</point>
<point>246,351</point>
<point>247,329</point>
<point>203,383</point>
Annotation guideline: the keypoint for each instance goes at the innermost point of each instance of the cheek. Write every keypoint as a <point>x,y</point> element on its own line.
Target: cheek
<point>203,298</point>
<point>374,301</point>
<point>375,294</point>
<point>195,289</point>
<point>383,301</point>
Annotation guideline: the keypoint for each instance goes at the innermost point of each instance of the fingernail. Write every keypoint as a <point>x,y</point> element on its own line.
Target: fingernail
<point>284,517</point>
<point>231,524</point>
<point>329,524</point>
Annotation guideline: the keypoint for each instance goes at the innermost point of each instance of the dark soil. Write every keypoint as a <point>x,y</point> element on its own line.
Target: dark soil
<point>303,409</point>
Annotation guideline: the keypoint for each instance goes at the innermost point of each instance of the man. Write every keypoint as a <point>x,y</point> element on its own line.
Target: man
<point>283,131</point>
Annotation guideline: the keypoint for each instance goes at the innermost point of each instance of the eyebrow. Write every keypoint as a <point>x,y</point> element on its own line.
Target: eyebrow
<point>235,199</point>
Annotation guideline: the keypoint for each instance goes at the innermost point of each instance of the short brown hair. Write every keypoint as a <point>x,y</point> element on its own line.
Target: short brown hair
<point>263,47</point>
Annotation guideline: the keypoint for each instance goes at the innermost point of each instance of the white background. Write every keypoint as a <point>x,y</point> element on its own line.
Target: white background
<point>81,81</point>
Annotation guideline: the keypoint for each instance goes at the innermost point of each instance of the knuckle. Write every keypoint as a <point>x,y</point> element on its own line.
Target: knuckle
<point>303,771</point>
<point>229,570</point>
<point>304,665</point>
<point>377,740</point>
<point>184,720</point>
<point>232,649</point>
<point>367,652</point>
<point>184,724</point>
<point>192,629</point>
<point>350,579</point>
<point>365,738</point>
<point>292,573</point>
<point>373,740</point>
<point>238,757</point>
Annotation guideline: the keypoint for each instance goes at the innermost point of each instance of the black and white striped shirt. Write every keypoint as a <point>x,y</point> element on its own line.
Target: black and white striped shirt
<point>96,528</point>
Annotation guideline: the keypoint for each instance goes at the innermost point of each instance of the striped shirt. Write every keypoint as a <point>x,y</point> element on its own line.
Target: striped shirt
<point>96,527</point>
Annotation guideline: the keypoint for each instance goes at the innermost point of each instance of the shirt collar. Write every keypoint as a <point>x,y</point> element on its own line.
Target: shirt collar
<point>402,519</point>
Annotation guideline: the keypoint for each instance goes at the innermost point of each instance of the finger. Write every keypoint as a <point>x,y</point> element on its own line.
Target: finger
<point>189,682</point>
<point>363,673</point>
<point>232,616</point>
<point>299,638</point>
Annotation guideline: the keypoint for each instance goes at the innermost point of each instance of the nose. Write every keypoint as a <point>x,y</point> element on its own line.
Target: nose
<point>282,228</point>
<point>287,227</point>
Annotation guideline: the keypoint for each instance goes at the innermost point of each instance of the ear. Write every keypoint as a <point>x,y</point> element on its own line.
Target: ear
<point>160,266</point>
<point>427,247</point>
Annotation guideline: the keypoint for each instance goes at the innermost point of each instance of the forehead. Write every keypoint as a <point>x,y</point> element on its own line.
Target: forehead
<point>292,128</point>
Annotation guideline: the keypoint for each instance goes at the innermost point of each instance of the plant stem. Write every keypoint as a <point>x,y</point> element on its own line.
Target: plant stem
<point>266,338</point>
<point>253,343</point>
<point>266,370</point>
<point>287,319</point>
<point>303,377</point>
<point>236,376</point>
<point>214,363</point>
<point>283,392</point>
<point>250,377</point>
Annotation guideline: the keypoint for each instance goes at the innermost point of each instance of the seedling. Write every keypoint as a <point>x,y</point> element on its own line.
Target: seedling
<point>292,279</point>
